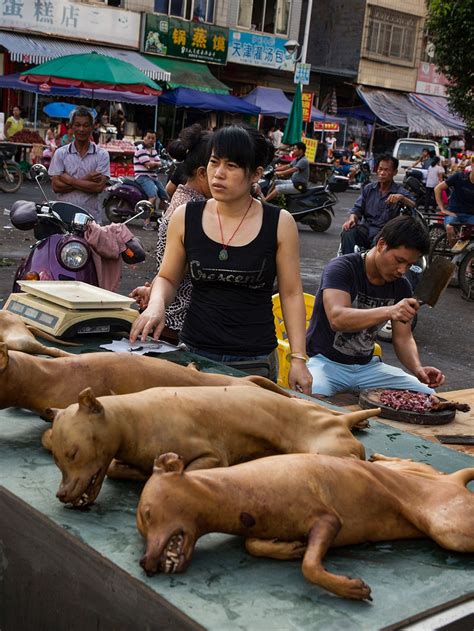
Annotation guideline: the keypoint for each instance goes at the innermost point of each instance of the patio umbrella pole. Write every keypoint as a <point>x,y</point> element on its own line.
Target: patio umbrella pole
<point>36,109</point>
<point>156,115</point>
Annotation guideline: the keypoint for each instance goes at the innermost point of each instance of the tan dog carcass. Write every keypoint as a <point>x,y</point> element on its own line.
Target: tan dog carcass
<point>295,506</point>
<point>210,427</point>
<point>19,337</point>
<point>38,383</point>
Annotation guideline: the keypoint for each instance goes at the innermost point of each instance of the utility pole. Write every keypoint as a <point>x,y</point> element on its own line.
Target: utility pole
<point>304,48</point>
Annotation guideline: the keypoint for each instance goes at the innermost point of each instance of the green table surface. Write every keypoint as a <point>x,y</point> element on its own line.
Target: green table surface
<point>225,588</point>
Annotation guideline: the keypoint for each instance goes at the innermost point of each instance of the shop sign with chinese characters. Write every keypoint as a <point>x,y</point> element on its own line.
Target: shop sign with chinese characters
<point>196,41</point>
<point>307,102</point>
<point>302,73</point>
<point>253,49</point>
<point>326,126</point>
<point>72,20</point>
<point>428,81</point>
<point>311,148</point>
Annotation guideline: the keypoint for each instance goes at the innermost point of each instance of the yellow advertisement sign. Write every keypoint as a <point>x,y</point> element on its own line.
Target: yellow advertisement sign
<point>311,146</point>
<point>307,101</point>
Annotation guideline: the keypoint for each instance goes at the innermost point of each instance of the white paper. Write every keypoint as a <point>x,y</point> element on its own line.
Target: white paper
<point>139,348</point>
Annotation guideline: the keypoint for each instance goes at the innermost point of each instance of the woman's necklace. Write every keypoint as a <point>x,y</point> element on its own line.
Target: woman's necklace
<point>223,254</point>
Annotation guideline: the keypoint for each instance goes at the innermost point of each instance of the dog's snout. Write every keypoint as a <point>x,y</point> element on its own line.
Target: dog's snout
<point>144,562</point>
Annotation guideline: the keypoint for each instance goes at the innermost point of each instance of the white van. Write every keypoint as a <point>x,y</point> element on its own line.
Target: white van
<point>408,150</point>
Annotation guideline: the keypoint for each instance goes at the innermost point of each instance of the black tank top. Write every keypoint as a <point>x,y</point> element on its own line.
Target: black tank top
<point>231,304</point>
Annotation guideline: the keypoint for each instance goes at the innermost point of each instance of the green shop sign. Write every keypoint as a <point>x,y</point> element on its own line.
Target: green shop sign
<point>197,41</point>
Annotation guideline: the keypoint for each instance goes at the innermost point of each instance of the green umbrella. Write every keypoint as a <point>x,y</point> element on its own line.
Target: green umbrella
<point>91,70</point>
<point>294,124</point>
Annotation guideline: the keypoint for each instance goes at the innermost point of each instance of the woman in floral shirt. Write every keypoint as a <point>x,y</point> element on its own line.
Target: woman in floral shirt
<point>192,148</point>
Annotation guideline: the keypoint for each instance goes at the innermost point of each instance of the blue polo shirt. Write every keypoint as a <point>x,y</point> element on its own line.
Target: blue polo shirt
<point>371,207</point>
<point>461,200</point>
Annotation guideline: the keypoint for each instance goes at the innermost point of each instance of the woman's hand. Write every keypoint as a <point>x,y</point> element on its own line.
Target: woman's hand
<point>299,378</point>
<point>150,322</point>
<point>141,295</point>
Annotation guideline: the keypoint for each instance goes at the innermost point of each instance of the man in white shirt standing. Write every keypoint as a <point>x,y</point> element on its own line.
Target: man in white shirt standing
<point>79,170</point>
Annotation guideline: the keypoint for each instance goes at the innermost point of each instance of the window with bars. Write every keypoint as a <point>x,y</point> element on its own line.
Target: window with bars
<point>391,34</point>
<point>195,10</point>
<point>267,16</point>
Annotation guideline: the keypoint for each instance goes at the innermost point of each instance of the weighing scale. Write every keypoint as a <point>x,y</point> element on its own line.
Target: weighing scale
<point>66,309</point>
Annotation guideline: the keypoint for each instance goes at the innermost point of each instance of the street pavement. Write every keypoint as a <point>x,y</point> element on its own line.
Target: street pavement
<point>444,334</point>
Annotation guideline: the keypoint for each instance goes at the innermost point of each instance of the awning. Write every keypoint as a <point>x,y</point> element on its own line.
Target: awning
<point>36,50</point>
<point>13,81</point>
<point>438,106</point>
<point>183,97</point>
<point>270,101</point>
<point>396,110</point>
<point>188,74</point>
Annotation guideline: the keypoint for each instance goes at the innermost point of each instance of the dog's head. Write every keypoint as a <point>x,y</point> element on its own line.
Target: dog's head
<point>166,518</point>
<point>82,448</point>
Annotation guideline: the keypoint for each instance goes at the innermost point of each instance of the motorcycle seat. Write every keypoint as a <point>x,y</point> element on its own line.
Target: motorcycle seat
<point>131,182</point>
<point>23,215</point>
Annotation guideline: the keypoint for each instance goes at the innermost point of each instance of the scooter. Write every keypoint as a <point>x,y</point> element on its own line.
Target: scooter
<point>314,207</point>
<point>361,174</point>
<point>11,176</point>
<point>123,194</point>
<point>61,251</point>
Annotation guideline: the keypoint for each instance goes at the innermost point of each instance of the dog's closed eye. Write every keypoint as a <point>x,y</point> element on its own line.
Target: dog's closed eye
<point>70,455</point>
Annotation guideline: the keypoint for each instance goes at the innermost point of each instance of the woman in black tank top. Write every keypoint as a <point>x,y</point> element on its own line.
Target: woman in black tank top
<point>234,247</point>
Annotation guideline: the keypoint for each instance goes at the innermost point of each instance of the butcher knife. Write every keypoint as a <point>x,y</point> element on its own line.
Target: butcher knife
<point>434,281</point>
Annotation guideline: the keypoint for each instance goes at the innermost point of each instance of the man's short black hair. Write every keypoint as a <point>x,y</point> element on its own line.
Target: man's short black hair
<point>406,231</point>
<point>386,157</point>
<point>81,111</point>
<point>301,146</point>
<point>149,131</point>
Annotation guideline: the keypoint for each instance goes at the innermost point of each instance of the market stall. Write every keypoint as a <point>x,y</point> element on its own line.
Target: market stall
<point>93,556</point>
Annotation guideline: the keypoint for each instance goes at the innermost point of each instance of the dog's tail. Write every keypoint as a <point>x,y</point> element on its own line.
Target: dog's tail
<point>463,477</point>
<point>263,382</point>
<point>358,420</point>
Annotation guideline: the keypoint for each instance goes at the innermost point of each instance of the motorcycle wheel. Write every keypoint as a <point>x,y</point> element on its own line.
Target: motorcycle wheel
<point>115,204</point>
<point>321,222</point>
<point>436,231</point>
<point>466,276</point>
<point>11,177</point>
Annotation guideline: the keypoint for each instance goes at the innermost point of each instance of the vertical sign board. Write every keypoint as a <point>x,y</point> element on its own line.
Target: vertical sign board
<point>307,101</point>
<point>311,146</point>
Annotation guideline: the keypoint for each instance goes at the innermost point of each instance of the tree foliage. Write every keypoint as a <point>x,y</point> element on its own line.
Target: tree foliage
<point>450,25</point>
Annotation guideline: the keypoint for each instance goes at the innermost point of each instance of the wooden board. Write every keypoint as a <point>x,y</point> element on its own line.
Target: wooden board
<point>462,424</point>
<point>371,398</point>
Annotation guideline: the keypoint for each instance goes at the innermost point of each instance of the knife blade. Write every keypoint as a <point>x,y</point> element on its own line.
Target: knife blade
<point>434,281</point>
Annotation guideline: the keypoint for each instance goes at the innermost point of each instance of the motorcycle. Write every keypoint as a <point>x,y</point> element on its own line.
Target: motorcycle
<point>462,254</point>
<point>314,207</point>
<point>123,193</point>
<point>11,177</point>
<point>61,251</point>
<point>361,174</point>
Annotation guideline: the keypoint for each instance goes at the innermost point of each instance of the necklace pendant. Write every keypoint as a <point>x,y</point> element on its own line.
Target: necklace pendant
<point>223,255</point>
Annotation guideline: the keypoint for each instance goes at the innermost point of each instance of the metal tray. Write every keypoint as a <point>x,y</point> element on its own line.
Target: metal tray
<point>370,399</point>
<point>75,294</point>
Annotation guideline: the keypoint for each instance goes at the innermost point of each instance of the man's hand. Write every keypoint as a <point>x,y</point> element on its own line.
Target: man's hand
<point>430,375</point>
<point>394,198</point>
<point>405,310</point>
<point>95,176</point>
<point>350,223</point>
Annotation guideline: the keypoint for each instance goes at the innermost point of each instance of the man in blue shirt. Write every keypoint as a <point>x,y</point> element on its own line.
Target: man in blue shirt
<point>461,202</point>
<point>377,204</point>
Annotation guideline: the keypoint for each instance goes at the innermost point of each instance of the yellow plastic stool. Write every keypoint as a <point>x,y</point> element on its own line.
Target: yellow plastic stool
<point>282,337</point>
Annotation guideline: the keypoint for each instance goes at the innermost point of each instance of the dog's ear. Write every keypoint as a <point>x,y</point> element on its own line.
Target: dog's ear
<point>3,356</point>
<point>89,403</point>
<point>167,463</point>
<point>50,414</point>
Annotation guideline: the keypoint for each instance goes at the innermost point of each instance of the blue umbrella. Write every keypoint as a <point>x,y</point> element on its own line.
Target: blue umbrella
<point>62,110</point>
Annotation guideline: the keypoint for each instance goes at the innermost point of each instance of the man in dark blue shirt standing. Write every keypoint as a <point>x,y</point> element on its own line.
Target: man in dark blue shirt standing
<point>461,201</point>
<point>376,205</point>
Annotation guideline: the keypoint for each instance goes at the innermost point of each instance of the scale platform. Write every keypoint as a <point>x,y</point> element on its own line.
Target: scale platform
<point>66,309</point>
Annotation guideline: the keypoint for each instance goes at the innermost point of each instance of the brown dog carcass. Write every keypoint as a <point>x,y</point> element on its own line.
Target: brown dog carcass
<point>19,337</point>
<point>295,506</point>
<point>37,383</point>
<point>210,427</point>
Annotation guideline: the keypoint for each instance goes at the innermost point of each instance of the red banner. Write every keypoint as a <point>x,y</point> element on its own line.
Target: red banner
<point>307,101</point>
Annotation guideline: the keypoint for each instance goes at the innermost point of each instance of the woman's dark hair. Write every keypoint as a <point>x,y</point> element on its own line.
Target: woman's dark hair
<point>192,148</point>
<point>244,145</point>
<point>435,161</point>
<point>405,231</point>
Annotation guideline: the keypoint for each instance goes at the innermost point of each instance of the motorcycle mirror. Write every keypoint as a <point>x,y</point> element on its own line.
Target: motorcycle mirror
<point>143,206</point>
<point>80,221</point>
<point>39,172</point>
